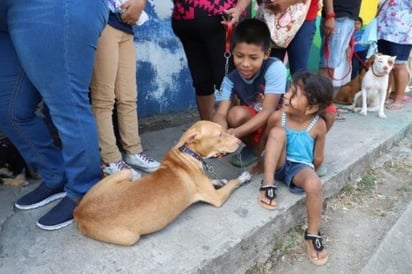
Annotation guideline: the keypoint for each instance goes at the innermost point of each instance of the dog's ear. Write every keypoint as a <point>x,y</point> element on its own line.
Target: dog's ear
<point>187,137</point>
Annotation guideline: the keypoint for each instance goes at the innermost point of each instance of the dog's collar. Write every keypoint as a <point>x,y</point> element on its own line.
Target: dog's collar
<point>191,153</point>
<point>377,74</point>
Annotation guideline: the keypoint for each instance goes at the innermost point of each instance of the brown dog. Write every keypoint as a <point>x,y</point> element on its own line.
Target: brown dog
<point>119,211</point>
<point>347,92</point>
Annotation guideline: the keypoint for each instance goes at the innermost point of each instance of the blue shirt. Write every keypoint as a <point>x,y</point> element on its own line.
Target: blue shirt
<point>299,143</point>
<point>271,79</point>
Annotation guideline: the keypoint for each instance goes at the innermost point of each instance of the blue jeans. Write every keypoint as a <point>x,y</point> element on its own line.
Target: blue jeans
<point>299,49</point>
<point>47,53</point>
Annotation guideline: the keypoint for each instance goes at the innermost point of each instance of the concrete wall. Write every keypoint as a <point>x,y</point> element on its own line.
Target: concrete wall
<point>163,79</point>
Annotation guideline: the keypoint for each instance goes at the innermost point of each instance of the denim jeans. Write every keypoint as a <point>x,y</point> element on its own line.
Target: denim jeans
<point>47,50</point>
<point>299,48</point>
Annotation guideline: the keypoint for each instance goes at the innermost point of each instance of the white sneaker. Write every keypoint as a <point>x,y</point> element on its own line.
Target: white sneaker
<point>142,161</point>
<point>116,166</point>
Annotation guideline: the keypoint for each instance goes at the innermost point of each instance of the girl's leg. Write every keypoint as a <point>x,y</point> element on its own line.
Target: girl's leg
<point>308,180</point>
<point>274,158</point>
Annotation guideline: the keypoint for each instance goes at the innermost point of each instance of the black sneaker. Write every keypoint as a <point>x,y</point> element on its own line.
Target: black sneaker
<point>40,196</point>
<point>59,216</point>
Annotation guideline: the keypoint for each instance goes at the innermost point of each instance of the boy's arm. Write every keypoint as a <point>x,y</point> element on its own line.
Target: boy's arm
<point>320,138</point>
<point>220,115</point>
<point>270,102</point>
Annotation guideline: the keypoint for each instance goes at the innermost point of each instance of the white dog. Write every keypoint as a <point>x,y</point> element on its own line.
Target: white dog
<point>374,86</point>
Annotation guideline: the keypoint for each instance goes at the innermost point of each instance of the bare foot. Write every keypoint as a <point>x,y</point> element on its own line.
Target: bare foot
<point>395,106</point>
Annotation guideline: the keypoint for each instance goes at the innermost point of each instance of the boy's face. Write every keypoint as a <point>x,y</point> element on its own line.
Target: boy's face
<point>248,59</point>
<point>358,25</point>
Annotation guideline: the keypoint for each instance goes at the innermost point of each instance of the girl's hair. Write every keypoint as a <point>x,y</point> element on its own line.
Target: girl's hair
<point>252,31</point>
<point>317,89</point>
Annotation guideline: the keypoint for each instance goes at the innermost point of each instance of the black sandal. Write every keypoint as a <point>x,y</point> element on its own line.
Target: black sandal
<point>317,244</point>
<point>270,194</point>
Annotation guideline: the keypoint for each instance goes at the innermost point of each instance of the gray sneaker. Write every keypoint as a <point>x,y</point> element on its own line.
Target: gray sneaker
<point>141,161</point>
<point>116,166</point>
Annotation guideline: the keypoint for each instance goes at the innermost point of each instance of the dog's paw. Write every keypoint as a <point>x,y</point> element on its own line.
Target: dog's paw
<point>218,183</point>
<point>244,177</point>
<point>382,115</point>
<point>363,112</point>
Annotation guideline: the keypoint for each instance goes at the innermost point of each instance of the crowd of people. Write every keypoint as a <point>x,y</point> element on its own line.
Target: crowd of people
<point>91,75</point>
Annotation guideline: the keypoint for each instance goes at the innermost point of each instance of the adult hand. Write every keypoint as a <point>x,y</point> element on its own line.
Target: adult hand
<point>132,10</point>
<point>232,15</point>
<point>329,26</point>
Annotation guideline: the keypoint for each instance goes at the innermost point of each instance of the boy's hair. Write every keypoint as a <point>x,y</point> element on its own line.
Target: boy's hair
<point>252,31</point>
<point>318,89</point>
<point>360,20</point>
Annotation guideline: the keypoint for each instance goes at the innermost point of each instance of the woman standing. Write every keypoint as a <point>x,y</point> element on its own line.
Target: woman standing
<point>200,26</point>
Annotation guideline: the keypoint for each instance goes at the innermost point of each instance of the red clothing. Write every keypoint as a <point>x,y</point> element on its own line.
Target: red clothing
<point>191,9</point>
<point>313,10</point>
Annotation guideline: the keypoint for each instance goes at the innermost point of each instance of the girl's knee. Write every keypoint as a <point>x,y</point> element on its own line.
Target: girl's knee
<point>314,186</point>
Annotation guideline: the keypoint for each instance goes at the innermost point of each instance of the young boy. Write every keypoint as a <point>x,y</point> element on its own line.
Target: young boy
<point>251,92</point>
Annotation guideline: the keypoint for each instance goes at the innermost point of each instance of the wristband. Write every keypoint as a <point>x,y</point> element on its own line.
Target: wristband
<point>329,15</point>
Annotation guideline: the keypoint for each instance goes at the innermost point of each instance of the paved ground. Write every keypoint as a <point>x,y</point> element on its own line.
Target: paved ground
<point>203,239</point>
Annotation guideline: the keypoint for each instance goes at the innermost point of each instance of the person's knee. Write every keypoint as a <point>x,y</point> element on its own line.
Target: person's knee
<point>277,133</point>
<point>313,186</point>
<point>237,116</point>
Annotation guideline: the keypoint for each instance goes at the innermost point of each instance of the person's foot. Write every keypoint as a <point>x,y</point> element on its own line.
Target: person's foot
<point>322,171</point>
<point>267,196</point>
<point>245,158</point>
<point>317,252</point>
<point>116,166</point>
<point>141,161</point>
<point>395,106</point>
<point>59,216</point>
<point>40,196</point>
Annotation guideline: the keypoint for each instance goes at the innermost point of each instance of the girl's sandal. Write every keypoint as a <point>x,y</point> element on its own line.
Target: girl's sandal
<point>270,194</point>
<point>316,242</point>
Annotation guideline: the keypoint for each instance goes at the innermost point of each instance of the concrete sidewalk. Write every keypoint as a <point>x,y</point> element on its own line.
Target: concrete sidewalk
<point>203,239</point>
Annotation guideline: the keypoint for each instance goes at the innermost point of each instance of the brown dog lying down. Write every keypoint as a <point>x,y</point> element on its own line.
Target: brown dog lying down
<point>119,211</point>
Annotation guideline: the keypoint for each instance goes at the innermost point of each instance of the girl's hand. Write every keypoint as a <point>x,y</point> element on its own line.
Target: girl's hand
<point>231,15</point>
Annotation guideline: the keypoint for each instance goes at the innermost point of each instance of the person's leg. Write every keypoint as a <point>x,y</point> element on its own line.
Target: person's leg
<point>102,88</point>
<point>300,47</point>
<point>126,106</point>
<point>308,180</point>
<point>275,157</point>
<point>203,40</point>
<point>333,48</point>
<point>28,132</point>
<point>400,71</point>
<point>61,70</point>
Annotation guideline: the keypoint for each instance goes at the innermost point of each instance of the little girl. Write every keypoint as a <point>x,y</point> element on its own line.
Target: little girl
<point>294,151</point>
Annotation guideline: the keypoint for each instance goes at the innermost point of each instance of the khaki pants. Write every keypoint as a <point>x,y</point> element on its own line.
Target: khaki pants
<point>114,83</point>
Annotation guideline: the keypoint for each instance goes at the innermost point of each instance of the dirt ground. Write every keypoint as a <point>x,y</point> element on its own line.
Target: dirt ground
<point>354,222</point>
